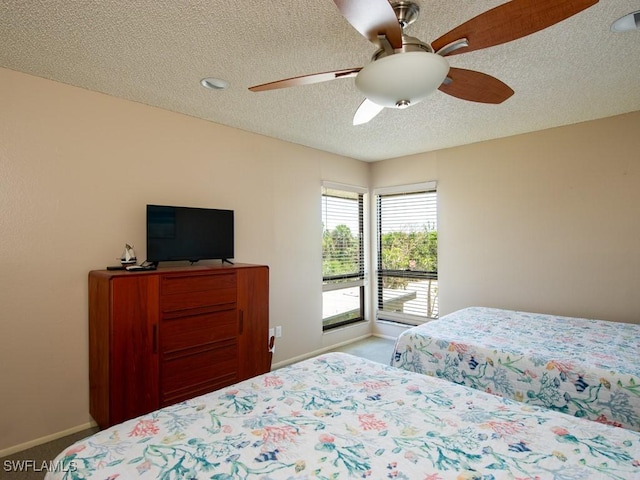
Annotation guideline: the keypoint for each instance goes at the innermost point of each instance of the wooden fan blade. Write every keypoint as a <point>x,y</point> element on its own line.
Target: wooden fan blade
<point>306,79</point>
<point>475,86</point>
<point>372,18</point>
<point>366,112</point>
<point>510,21</point>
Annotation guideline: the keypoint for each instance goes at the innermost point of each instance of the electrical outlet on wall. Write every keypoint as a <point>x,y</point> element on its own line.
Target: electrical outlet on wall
<point>278,331</point>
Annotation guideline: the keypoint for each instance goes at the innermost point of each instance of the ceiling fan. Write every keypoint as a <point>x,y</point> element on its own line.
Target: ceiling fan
<point>405,70</point>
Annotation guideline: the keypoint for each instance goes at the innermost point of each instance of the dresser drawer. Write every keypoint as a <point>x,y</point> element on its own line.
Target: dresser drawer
<point>197,291</point>
<point>195,372</point>
<point>172,284</point>
<point>179,333</point>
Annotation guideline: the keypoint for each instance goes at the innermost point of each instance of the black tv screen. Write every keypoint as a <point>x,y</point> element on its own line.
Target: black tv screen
<point>186,233</point>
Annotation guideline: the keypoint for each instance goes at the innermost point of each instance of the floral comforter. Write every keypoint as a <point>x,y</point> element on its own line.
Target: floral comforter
<point>339,416</point>
<point>586,368</point>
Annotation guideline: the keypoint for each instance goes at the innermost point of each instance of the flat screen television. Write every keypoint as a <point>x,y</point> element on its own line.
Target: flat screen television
<point>186,233</point>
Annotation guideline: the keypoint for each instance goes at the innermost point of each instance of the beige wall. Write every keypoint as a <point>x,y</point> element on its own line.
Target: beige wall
<point>545,222</point>
<point>76,171</point>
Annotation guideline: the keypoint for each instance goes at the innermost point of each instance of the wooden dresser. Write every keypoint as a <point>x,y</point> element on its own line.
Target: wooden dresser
<point>163,336</point>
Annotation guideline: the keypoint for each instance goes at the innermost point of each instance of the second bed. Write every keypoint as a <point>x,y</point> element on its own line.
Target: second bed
<point>586,368</point>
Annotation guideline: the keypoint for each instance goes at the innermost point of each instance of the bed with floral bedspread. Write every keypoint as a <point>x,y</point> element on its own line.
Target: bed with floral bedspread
<point>586,368</point>
<point>339,416</point>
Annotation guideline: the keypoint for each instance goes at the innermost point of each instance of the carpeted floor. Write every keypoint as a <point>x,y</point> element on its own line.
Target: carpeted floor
<point>374,348</point>
<point>31,464</point>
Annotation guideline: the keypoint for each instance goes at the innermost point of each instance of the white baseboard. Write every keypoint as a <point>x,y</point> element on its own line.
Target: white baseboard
<point>315,353</point>
<point>39,441</point>
<point>387,337</point>
<point>386,329</point>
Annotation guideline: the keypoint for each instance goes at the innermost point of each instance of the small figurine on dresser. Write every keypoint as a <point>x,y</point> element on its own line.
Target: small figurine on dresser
<point>128,256</point>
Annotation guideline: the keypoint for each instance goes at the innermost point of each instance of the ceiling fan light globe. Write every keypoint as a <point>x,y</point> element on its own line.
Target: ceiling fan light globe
<point>394,80</point>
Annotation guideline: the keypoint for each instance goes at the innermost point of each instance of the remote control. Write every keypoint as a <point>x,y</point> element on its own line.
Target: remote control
<point>136,267</point>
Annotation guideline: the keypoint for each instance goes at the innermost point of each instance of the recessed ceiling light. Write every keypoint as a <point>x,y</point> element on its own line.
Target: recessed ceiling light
<point>627,23</point>
<point>214,83</point>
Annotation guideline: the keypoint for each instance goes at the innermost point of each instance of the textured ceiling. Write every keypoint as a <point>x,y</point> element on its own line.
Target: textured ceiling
<point>156,51</point>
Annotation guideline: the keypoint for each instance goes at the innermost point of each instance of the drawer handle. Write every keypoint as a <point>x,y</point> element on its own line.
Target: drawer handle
<point>154,339</point>
<point>241,321</point>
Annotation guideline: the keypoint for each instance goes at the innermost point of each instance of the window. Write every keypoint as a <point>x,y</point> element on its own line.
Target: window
<point>407,253</point>
<point>342,255</point>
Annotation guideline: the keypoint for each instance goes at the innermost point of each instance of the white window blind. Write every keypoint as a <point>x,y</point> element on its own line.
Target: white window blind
<point>342,255</point>
<point>407,256</point>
